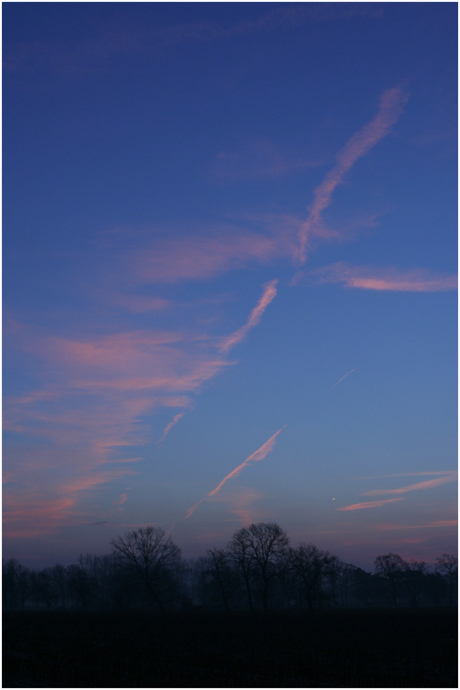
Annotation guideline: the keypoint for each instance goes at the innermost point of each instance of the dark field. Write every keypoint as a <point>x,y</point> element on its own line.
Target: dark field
<point>364,648</point>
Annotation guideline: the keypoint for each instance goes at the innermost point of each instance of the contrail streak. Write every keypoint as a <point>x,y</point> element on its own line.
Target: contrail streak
<point>254,317</point>
<point>392,103</point>
<point>343,377</point>
<point>259,454</point>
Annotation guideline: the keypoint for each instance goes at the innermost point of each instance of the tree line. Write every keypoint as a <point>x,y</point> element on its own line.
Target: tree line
<point>256,570</point>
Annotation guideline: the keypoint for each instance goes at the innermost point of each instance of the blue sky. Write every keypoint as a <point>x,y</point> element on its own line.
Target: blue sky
<point>230,234</point>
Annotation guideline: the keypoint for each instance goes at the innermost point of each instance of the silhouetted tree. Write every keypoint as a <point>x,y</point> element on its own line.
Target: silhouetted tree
<point>413,578</point>
<point>151,557</point>
<point>79,586</point>
<point>220,572</point>
<point>260,551</point>
<point>447,565</point>
<point>310,565</point>
<point>17,584</point>
<point>58,575</point>
<point>391,566</point>
<point>240,553</point>
<point>43,587</point>
<point>339,576</point>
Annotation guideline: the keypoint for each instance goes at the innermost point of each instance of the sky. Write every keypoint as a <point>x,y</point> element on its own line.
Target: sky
<point>229,275</point>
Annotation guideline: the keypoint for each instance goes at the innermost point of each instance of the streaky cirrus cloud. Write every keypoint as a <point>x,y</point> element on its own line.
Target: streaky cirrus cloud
<point>343,377</point>
<point>258,455</point>
<point>268,294</point>
<point>429,484</point>
<point>240,502</point>
<point>392,104</point>
<point>92,411</point>
<point>124,37</point>
<point>392,278</point>
<point>433,524</point>
<point>408,474</point>
<point>257,158</point>
<point>200,258</point>
<point>369,504</point>
<point>170,425</point>
<point>139,304</point>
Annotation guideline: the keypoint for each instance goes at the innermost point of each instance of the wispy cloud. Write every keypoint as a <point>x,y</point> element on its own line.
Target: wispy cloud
<point>392,104</point>
<point>409,474</point>
<point>118,502</point>
<point>369,504</point>
<point>201,258</point>
<point>258,455</point>
<point>343,377</point>
<point>386,278</point>
<point>170,425</point>
<point>94,411</point>
<point>268,294</point>
<point>122,35</point>
<point>256,159</point>
<point>428,525</point>
<point>139,304</point>
<point>429,484</point>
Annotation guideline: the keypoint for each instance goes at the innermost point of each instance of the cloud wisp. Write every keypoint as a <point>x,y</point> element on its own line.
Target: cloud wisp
<point>390,278</point>
<point>429,484</point>
<point>256,159</point>
<point>369,504</point>
<point>258,455</point>
<point>204,257</point>
<point>170,426</point>
<point>392,104</point>
<point>100,392</point>
<point>143,40</point>
<point>409,474</point>
<point>343,377</point>
<point>268,294</point>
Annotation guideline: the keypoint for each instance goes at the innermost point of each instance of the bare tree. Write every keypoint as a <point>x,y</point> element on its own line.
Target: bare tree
<point>218,568</point>
<point>413,578</point>
<point>58,575</point>
<point>151,556</point>
<point>311,565</point>
<point>447,565</point>
<point>240,553</point>
<point>16,583</point>
<point>391,566</point>
<point>261,552</point>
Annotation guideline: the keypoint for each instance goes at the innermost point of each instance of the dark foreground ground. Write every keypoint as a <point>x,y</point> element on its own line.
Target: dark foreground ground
<point>372,648</point>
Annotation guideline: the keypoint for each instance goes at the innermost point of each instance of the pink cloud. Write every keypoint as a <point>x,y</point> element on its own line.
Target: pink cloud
<point>408,474</point>
<point>428,525</point>
<point>386,278</point>
<point>392,104</point>
<point>258,455</point>
<point>269,293</point>
<point>28,517</point>
<point>431,483</point>
<point>171,424</point>
<point>369,504</point>
<point>98,394</point>
<point>139,304</point>
<point>257,158</point>
<point>118,37</point>
<point>241,503</point>
<point>127,351</point>
<point>344,377</point>
<point>202,258</point>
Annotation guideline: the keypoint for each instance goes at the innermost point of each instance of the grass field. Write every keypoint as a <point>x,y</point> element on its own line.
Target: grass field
<point>360,648</point>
